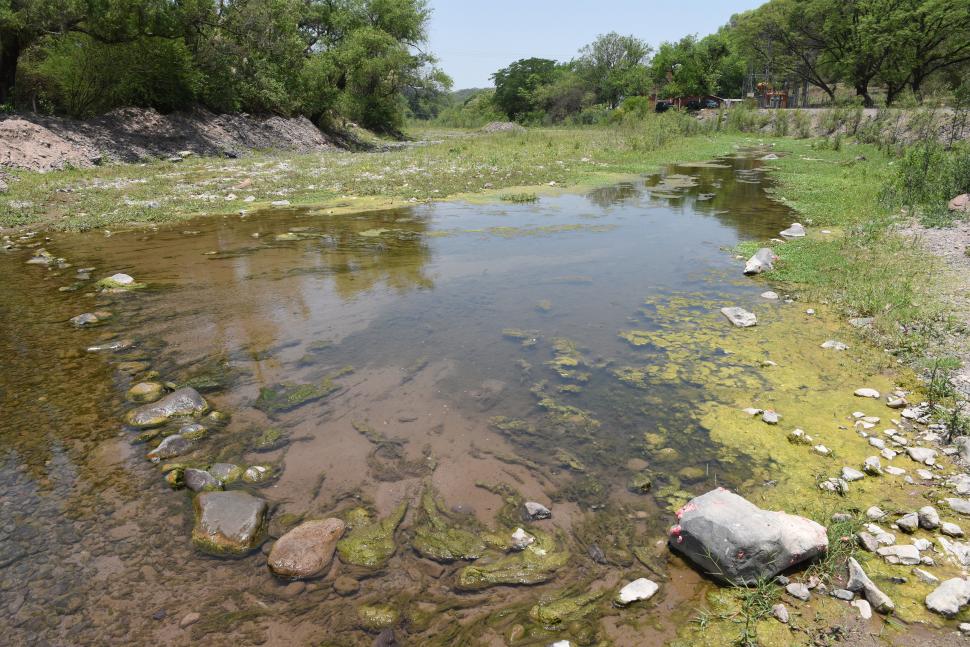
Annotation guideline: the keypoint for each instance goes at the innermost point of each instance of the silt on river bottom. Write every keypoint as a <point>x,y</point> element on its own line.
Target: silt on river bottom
<point>456,358</point>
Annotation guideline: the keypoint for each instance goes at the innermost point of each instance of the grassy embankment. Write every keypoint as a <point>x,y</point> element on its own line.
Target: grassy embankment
<point>454,164</point>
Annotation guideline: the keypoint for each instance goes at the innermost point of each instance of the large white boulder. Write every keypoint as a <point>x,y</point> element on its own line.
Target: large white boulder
<point>735,541</point>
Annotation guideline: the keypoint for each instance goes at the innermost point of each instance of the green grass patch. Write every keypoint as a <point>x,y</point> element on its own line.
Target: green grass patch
<point>453,164</point>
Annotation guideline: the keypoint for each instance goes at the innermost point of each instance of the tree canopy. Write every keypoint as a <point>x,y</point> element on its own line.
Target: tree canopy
<point>321,58</point>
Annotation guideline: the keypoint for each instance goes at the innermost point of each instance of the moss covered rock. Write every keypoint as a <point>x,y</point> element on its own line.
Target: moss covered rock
<point>441,538</point>
<point>228,524</point>
<point>537,563</point>
<point>370,543</point>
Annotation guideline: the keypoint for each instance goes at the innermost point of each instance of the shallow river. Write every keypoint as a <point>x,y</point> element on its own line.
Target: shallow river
<point>543,350</point>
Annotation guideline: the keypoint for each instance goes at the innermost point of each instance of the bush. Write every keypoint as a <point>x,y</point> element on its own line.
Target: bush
<point>79,76</point>
<point>475,112</point>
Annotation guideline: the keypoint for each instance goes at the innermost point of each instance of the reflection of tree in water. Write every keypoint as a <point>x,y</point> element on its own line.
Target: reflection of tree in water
<point>609,196</point>
<point>386,247</point>
<point>54,399</point>
<point>732,191</point>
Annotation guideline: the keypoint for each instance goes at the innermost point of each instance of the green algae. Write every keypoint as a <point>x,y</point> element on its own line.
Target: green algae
<point>536,564</point>
<point>269,440</point>
<point>554,613</point>
<point>639,483</point>
<point>512,427</point>
<point>370,543</point>
<point>636,338</point>
<point>526,338</point>
<point>568,361</point>
<point>568,459</point>
<point>441,537</point>
<point>281,398</point>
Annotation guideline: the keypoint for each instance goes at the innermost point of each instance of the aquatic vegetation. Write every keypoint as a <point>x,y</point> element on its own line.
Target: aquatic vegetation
<point>512,426</point>
<point>269,440</point>
<point>375,617</point>
<point>536,564</point>
<point>370,543</point>
<point>554,613</point>
<point>635,377</point>
<point>567,459</point>
<point>528,338</point>
<point>281,398</point>
<point>441,537</point>
<point>640,483</point>
<point>519,198</point>
<point>636,337</point>
<point>568,361</point>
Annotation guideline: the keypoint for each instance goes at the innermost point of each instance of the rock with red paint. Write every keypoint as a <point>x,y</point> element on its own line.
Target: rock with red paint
<point>736,542</point>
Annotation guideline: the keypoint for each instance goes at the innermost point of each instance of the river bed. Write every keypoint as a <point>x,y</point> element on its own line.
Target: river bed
<point>550,351</point>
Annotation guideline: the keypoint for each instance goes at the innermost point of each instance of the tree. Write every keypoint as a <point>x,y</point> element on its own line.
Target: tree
<point>516,85</point>
<point>933,37</point>
<point>614,67</point>
<point>692,67</point>
<point>24,22</point>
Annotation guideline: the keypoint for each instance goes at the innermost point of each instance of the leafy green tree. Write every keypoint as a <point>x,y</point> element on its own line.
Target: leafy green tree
<point>933,37</point>
<point>516,85</point>
<point>614,67</point>
<point>692,67</point>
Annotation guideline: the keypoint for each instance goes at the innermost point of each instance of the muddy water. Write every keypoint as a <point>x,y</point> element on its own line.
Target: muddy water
<point>461,345</point>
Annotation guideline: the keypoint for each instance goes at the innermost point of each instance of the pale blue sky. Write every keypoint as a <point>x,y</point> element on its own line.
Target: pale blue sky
<point>473,38</point>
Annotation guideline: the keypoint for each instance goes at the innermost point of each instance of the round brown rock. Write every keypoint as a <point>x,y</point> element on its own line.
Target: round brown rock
<point>306,550</point>
<point>345,586</point>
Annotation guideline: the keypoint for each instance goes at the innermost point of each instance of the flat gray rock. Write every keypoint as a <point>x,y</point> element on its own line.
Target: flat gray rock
<point>740,317</point>
<point>735,541</point>
<point>228,524</point>
<point>795,231</point>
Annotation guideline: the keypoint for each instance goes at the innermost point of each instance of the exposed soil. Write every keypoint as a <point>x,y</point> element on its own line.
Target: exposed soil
<point>42,144</point>
<point>952,245</point>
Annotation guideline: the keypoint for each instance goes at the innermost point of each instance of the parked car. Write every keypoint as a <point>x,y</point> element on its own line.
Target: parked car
<point>712,103</point>
<point>664,106</point>
<point>694,105</point>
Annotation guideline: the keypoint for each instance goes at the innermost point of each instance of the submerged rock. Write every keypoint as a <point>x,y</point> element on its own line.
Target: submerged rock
<point>370,543</point>
<point>90,319</point>
<point>170,447</point>
<point>443,539</point>
<point>145,392</point>
<point>182,403</point>
<point>200,480</point>
<point>740,317</point>
<point>557,612</point>
<point>226,472</point>
<point>948,598</point>
<point>762,261</point>
<point>228,524</point>
<point>639,483</point>
<point>307,550</point>
<point>377,617</point>
<point>537,563</point>
<point>737,542</point>
<point>536,511</point>
<point>635,591</point>
<point>119,283</point>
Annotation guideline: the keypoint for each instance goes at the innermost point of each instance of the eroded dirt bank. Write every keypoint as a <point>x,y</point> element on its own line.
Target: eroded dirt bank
<point>38,143</point>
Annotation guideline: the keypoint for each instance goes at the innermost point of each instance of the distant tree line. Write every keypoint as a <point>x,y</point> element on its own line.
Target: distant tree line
<point>361,60</point>
<point>900,46</point>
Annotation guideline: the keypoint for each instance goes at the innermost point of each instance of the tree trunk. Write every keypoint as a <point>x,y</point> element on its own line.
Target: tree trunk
<point>804,93</point>
<point>862,90</point>
<point>9,54</point>
<point>916,85</point>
